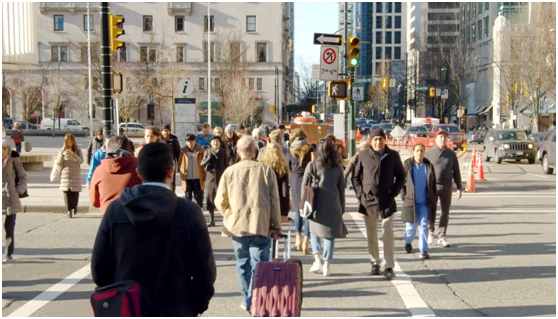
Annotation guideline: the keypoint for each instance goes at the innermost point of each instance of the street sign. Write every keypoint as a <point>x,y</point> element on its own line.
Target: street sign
<point>438,91</point>
<point>363,80</point>
<point>184,87</point>
<point>421,88</point>
<point>315,72</point>
<point>358,93</point>
<point>445,93</point>
<point>328,39</point>
<point>185,115</point>
<point>328,65</point>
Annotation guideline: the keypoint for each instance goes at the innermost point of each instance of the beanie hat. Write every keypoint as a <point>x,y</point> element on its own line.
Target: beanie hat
<point>167,127</point>
<point>377,132</point>
<point>229,128</point>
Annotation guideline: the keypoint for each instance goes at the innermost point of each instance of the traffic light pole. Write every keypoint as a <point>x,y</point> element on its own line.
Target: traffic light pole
<point>106,69</point>
<point>352,127</point>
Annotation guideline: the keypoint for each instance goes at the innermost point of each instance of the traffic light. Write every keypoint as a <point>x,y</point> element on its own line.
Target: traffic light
<point>507,98</point>
<point>432,92</point>
<point>515,89</point>
<point>272,109</point>
<point>525,93</point>
<point>385,83</point>
<point>353,56</point>
<point>115,32</point>
<point>313,108</point>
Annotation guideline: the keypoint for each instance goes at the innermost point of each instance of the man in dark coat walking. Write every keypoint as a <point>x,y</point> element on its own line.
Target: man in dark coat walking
<point>149,216</point>
<point>446,168</point>
<point>96,143</point>
<point>374,167</point>
<point>174,144</point>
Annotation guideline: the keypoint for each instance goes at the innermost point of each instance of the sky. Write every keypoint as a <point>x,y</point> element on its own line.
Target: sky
<point>310,18</point>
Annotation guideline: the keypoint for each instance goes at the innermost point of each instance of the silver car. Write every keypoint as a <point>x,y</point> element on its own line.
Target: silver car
<point>547,152</point>
<point>508,144</point>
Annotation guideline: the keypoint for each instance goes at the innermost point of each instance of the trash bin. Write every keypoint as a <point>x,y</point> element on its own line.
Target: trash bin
<point>26,146</point>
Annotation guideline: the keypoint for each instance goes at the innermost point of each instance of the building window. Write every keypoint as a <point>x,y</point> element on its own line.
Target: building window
<point>479,7</point>
<point>397,53</point>
<point>261,51</point>
<point>388,37</point>
<point>152,54</point>
<point>216,84</point>
<point>379,22</point>
<point>251,83</point>
<point>235,51</point>
<point>83,53</point>
<point>180,54</point>
<point>147,23</point>
<point>250,23</point>
<point>205,51</point>
<point>398,22</point>
<point>474,33</point>
<point>388,53</point>
<point>388,7</point>
<point>212,23</point>
<point>87,23</point>
<point>379,7</point>
<point>479,27</point>
<point>59,53</point>
<point>486,27</point>
<point>378,67</point>
<point>486,6</point>
<point>398,7</point>
<point>378,37</point>
<point>150,111</point>
<point>397,39</point>
<point>123,54</point>
<point>58,23</point>
<point>202,84</point>
<point>468,11</point>
<point>473,10</point>
<point>378,53</point>
<point>179,23</point>
<point>388,23</point>
<point>462,14</point>
<point>259,84</point>
<point>143,54</point>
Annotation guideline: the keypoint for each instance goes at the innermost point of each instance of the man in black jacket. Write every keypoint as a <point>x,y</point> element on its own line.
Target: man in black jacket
<point>174,144</point>
<point>378,176</point>
<point>96,143</point>
<point>132,239</point>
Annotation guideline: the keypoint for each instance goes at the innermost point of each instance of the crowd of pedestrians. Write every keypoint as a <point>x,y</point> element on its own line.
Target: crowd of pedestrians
<point>253,179</point>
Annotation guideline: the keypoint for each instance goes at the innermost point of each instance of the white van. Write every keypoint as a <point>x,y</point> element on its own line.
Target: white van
<point>65,124</point>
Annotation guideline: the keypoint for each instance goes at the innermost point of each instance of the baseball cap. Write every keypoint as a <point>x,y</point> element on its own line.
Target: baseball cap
<point>441,132</point>
<point>190,137</point>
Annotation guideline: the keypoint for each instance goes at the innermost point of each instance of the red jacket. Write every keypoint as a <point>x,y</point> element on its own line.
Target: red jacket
<point>111,178</point>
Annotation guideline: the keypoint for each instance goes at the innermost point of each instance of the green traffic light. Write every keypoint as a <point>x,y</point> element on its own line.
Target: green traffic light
<point>354,61</point>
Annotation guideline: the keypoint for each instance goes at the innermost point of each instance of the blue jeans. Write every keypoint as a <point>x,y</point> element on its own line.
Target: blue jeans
<point>248,252</point>
<point>421,221</point>
<point>329,244</point>
<point>298,224</point>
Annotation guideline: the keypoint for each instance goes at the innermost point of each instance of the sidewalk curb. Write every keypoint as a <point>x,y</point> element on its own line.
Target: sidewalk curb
<point>56,209</point>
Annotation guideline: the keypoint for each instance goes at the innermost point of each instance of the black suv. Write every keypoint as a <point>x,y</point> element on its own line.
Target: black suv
<point>508,144</point>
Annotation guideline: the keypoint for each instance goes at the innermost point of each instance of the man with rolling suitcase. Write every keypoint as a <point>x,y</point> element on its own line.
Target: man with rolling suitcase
<point>248,199</point>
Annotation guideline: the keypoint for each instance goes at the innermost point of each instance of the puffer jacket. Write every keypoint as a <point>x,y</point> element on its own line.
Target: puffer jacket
<point>70,179</point>
<point>11,203</point>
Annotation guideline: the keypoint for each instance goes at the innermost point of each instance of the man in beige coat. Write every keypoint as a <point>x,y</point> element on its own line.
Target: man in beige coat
<point>248,199</point>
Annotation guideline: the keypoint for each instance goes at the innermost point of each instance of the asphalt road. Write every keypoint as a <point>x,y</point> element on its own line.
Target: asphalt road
<point>502,261</point>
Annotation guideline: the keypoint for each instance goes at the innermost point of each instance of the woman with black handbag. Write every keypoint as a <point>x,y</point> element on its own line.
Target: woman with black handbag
<point>14,186</point>
<point>325,175</point>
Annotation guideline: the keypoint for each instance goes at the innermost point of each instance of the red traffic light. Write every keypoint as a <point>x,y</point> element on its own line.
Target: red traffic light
<point>354,41</point>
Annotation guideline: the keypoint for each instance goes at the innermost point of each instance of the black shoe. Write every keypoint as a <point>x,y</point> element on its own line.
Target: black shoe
<point>389,273</point>
<point>70,213</point>
<point>408,248</point>
<point>74,211</point>
<point>211,223</point>
<point>424,255</point>
<point>375,270</point>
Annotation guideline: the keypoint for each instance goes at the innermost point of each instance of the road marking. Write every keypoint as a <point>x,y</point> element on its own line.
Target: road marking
<point>543,176</point>
<point>51,293</point>
<point>402,282</point>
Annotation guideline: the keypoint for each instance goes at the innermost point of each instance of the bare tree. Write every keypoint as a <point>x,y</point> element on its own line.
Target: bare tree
<point>27,93</point>
<point>310,91</point>
<point>379,97</point>
<point>130,101</point>
<point>240,101</point>
<point>55,96</point>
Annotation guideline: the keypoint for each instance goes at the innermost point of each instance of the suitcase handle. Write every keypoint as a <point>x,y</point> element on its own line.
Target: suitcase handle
<point>275,247</point>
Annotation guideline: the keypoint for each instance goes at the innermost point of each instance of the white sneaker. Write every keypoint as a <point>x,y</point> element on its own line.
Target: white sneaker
<point>326,270</point>
<point>316,267</point>
<point>442,242</point>
<point>430,238</point>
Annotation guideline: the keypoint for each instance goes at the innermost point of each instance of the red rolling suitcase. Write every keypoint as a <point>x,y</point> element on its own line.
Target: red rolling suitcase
<point>277,284</point>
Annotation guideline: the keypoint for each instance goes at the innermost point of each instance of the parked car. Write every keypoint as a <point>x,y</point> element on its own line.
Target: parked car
<point>416,131</point>
<point>476,137</point>
<point>508,144</point>
<point>454,134</point>
<point>133,128</point>
<point>537,138</point>
<point>388,127</point>
<point>8,122</point>
<point>365,128</point>
<point>65,124</point>
<point>28,126</point>
<point>547,152</point>
<point>372,122</point>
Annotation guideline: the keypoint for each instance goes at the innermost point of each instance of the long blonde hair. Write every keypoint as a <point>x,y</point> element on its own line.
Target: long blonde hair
<point>273,157</point>
<point>70,137</point>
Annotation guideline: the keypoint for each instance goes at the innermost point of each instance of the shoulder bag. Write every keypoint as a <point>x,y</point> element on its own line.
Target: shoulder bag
<point>308,200</point>
<point>123,299</point>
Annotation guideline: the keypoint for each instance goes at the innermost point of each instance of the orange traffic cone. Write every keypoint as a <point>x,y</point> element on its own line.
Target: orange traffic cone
<point>479,176</point>
<point>474,158</point>
<point>471,179</point>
